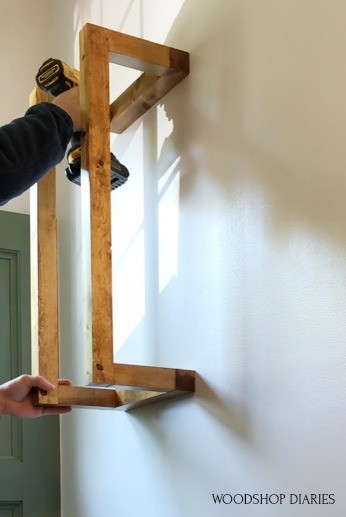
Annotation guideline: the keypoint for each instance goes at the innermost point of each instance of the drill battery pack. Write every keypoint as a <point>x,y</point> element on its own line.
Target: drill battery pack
<point>119,173</point>
<point>55,77</point>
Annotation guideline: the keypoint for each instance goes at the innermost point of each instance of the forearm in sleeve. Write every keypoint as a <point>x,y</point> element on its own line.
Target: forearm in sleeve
<point>30,146</point>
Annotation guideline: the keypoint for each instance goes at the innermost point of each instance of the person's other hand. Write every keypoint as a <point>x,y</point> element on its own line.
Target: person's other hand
<point>69,101</point>
<point>15,397</point>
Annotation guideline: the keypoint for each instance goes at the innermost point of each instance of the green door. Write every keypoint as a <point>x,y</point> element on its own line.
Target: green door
<point>29,449</point>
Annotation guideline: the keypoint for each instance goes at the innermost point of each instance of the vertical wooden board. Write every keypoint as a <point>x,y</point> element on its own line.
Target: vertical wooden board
<point>44,295</point>
<point>94,62</point>
<point>47,277</point>
<point>34,281</point>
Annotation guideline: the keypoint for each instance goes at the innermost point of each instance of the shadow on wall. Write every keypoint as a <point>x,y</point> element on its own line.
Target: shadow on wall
<point>199,145</point>
<point>229,412</point>
<point>264,106</point>
<point>255,111</point>
<point>169,440</point>
<point>226,411</point>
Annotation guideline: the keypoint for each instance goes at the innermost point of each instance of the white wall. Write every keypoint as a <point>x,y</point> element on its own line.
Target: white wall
<point>230,238</point>
<point>25,43</point>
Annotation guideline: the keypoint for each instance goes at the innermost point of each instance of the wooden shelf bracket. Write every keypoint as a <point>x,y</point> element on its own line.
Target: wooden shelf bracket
<point>122,386</point>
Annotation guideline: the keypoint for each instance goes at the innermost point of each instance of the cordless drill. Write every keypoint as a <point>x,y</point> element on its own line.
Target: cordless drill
<point>55,77</point>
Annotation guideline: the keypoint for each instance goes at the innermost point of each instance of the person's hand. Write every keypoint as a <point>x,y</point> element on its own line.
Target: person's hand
<point>69,102</point>
<point>15,397</point>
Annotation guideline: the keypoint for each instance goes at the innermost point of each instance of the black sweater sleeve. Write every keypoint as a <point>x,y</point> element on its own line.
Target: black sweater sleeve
<point>30,146</point>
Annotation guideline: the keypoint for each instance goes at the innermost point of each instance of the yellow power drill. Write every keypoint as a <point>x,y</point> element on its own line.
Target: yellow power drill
<point>55,77</point>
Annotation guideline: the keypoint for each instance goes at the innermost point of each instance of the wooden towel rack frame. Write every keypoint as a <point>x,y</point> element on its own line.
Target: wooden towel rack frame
<point>123,386</point>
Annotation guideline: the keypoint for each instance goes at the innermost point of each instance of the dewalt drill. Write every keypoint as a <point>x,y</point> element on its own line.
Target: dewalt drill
<point>55,77</point>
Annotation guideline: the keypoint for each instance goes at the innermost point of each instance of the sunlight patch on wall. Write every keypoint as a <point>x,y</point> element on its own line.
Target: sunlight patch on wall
<point>128,292</point>
<point>128,281</point>
<point>158,26</point>
<point>168,216</point>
